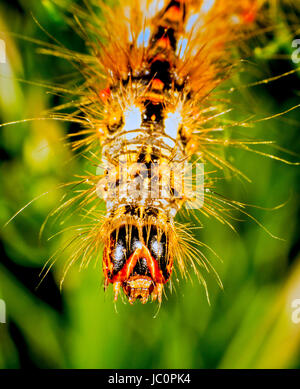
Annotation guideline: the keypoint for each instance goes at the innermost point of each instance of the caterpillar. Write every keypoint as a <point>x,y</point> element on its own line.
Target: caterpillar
<point>161,62</point>
<point>148,107</point>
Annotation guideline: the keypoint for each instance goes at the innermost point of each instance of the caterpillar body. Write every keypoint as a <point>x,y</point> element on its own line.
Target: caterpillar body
<point>161,60</point>
<point>148,100</point>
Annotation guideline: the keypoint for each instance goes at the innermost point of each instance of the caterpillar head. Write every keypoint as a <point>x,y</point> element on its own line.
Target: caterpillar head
<point>137,258</point>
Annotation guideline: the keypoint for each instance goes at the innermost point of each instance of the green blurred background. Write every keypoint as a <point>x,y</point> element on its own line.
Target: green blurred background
<point>248,325</point>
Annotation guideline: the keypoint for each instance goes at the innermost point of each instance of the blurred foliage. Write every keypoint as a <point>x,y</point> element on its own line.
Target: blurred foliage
<point>248,325</point>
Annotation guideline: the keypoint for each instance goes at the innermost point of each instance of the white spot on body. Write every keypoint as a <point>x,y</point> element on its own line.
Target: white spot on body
<point>144,38</point>
<point>137,244</point>
<point>155,7</point>
<point>118,252</point>
<point>133,118</point>
<point>191,22</point>
<point>181,47</point>
<point>207,5</point>
<point>172,123</point>
<point>157,248</point>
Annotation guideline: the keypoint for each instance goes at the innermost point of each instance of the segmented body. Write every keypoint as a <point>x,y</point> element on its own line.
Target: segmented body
<point>144,140</point>
<point>161,70</point>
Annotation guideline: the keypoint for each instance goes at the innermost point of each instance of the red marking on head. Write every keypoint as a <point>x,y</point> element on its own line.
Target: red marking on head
<point>105,94</point>
<point>249,14</point>
<point>143,252</point>
<point>138,272</point>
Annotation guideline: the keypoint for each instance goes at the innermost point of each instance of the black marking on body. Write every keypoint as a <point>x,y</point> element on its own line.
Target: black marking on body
<point>157,243</point>
<point>153,110</point>
<point>161,70</point>
<point>141,268</point>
